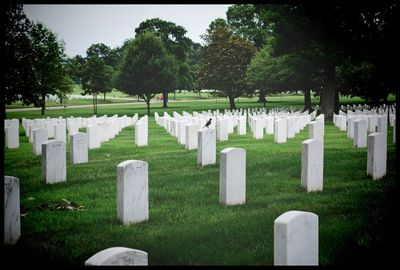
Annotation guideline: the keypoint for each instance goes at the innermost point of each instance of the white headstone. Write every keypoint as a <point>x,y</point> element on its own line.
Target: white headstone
<point>258,130</point>
<point>141,134</point>
<point>241,128</point>
<point>372,123</point>
<point>206,152</point>
<point>60,132</point>
<point>232,176</point>
<point>291,127</point>
<point>382,124</point>
<point>132,191</point>
<point>118,256</point>
<point>377,152</point>
<point>54,168</point>
<point>280,131</point>
<point>93,136</point>
<point>350,127</point>
<point>316,130</point>
<point>222,129</point>
<point>296,239</point>
<point>79,148</point>
<point>269,125</point>
<point>12,221</point>
<point>12,137</point>
<point>360,133</point>
<point>191,136</point>
<point>39,136</point>
<point>312,165</point>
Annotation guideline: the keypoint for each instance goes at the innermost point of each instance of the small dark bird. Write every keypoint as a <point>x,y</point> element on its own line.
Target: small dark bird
<point>208,123</point>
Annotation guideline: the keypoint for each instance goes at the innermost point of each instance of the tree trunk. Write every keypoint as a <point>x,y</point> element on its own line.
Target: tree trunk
<point>337,102</point>
<point>94,105</point>
<point>232,102</point>
<point>261,98</point>
<point>307,100</point>
<point>329,91</point>
<point>165,99</point>
<point>43,104</point>
<point>148,106</point>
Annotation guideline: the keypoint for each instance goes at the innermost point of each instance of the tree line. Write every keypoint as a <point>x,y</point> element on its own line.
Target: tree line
<point>329,50</point>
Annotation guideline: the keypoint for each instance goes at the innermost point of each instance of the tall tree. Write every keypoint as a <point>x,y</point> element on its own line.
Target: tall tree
<point>246,21</point>
<point>48,64</point>
<point>96,78</point>
<point>177,44</point>
<point>19,75</point>
<point>108,56</point>
<point>147,68</point>
<point>224,61</point>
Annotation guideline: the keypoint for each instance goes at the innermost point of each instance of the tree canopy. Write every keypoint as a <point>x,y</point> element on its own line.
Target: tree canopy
<point>224,62</point>
<point>147,68</point>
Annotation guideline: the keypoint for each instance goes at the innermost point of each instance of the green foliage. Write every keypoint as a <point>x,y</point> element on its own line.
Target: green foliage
<point>18,71</point>
<point>246,21</point>
<point>176,43</point>
<point>224,61</point>
<point>147,68</point>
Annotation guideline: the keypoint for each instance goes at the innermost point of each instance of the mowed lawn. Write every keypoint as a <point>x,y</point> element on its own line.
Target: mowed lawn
<point>186,225</point>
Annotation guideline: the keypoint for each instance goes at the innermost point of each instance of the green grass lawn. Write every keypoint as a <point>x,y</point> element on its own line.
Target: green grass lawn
<point>187,226</point>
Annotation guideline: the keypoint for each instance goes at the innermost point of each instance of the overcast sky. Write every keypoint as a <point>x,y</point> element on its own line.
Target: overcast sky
<point>83,25</point>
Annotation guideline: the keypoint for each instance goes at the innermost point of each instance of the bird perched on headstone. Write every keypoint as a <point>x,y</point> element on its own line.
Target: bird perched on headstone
<point>208,123</point>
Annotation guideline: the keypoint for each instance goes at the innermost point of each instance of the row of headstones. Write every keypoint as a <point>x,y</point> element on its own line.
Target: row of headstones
<point>383,109</point>
<point>358,126</point>
<point>282,126</point>
<point>185,127</point>
<point>99,129</point>
<point>368,130</point>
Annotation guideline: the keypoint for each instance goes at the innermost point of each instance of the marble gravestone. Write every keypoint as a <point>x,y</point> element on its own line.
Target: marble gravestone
<point>360,133</point>
<point>191,136</point>
<point>132,191</point>
<point>79,148</point>
<point>118,256</point>
<point>269,125</point>
<point>316,130</point>
<point>12,220</point>
<point>382,124</point>
<point>222,129</point>
<point>206,151</point>
<point>39,136</point>
<point>258,129</point>
<point>296,239</point>
<point>377,155</point>
<point>141,134</point>
<point>280,131</point>
<point>54,167</point>
<point>312,165</point>
<point>232,176</point>
<point>60,132</point>
<point>93,132</point>
<point>12,137</point>
<point>241,127</point>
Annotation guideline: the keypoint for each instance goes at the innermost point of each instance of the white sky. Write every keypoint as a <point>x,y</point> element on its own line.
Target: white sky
<point>83,25</point>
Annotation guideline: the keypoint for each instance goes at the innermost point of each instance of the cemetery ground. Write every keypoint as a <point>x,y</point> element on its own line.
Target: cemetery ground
<point>187,225</point>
